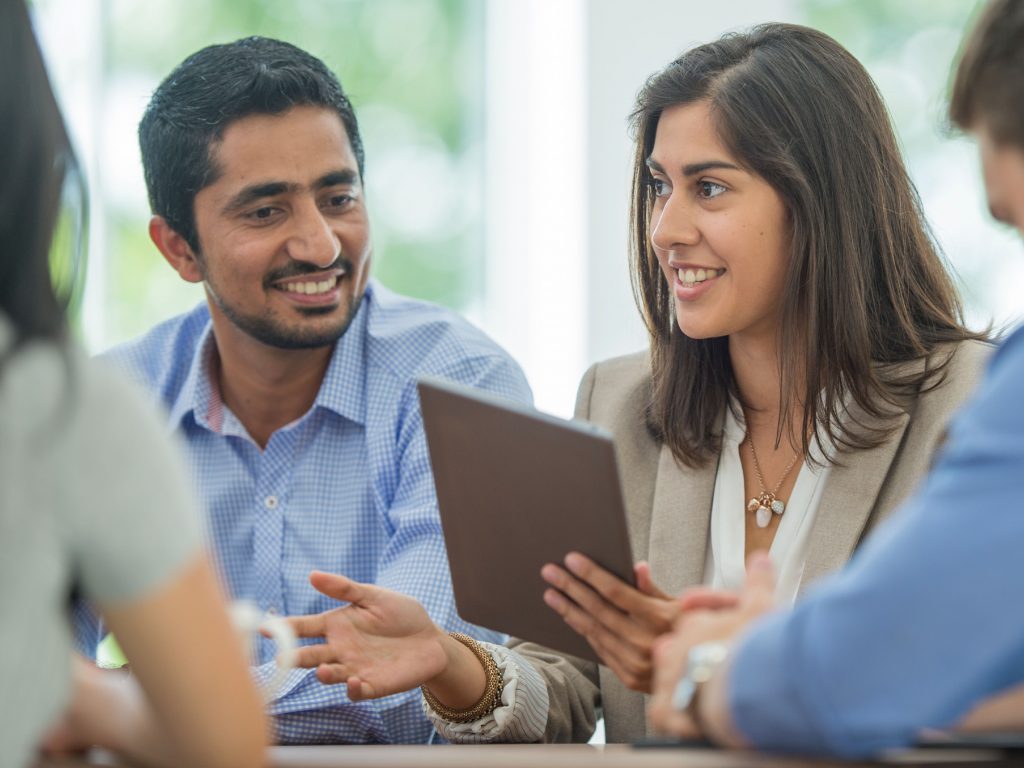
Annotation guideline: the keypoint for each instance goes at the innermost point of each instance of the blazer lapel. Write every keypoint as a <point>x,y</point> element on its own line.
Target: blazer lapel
<point>848,501</point>
<point>680,521</point>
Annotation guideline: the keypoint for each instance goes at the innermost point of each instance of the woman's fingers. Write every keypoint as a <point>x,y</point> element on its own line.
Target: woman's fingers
<point>630,664</point>
<point>628,660</point>
<point>589,602</point>
<point>610,587</point>
<point>645,583</point>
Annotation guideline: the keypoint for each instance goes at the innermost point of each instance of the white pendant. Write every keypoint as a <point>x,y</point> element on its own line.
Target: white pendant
<point>764,516</point>
<point>778,507</point>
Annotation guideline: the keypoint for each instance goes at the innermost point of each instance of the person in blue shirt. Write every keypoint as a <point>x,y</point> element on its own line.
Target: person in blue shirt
<point>293,386</point>
<point>923,629</point>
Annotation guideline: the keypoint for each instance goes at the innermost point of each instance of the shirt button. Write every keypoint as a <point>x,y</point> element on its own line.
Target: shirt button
<point>270,502</point>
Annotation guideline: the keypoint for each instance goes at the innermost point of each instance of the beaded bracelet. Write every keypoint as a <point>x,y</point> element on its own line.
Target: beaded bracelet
<point>492,693</point>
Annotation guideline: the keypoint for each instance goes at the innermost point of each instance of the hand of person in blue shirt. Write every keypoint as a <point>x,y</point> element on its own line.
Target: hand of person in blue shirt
<point>707,616</point>
<point>619,621</point>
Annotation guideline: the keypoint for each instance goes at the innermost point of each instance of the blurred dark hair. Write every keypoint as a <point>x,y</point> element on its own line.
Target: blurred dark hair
<point>865,286</point>
<point>207,92</point>
<point>35,156</point>
<point>989,81</point>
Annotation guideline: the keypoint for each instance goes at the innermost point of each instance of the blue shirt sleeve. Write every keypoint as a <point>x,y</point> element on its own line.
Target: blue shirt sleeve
<point>925,621</point>
<point>414,563</point>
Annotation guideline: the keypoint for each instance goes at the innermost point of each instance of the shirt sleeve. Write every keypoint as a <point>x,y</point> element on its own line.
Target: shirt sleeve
<point>519,718</point>
<point>132,521</point>
<point>924,622</point>
<point>413,563</point>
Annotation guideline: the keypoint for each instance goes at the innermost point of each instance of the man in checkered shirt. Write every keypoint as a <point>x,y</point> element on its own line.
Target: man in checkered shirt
<point>293,385</point>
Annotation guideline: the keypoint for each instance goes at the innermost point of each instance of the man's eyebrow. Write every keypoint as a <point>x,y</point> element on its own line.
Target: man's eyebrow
<point>256,192</point>
<point>250,194</point>
<point>694,168</point>
<point>346,177</point>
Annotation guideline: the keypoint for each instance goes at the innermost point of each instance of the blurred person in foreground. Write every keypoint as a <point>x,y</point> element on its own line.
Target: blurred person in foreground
<point>93,501</point>
<point>293,385</point>
<point>923,629</point>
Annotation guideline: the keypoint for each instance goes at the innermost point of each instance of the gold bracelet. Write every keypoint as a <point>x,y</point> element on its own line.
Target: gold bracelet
<point>492,692</point>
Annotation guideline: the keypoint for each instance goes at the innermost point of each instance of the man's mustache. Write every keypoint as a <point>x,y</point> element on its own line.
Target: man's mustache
<point>300,268</point>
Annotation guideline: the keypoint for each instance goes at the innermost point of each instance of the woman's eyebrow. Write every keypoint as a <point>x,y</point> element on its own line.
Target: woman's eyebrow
<point>694,168</point>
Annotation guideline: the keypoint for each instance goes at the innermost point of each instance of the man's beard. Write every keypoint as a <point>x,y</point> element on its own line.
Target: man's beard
<point>268,330</point>
<point>271,331</point>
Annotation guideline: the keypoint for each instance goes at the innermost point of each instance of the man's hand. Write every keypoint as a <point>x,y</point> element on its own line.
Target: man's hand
<point>620,622</point>
<point>716,621</point>
<point>381,643</point>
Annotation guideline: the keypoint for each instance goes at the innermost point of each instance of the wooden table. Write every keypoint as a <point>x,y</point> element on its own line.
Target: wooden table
<point>575,756</point>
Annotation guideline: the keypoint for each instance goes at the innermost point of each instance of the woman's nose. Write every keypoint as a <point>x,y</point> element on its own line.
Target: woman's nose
<point>673,225</point>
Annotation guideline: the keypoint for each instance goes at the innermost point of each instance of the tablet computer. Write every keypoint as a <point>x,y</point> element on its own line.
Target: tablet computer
<point>517,489</point>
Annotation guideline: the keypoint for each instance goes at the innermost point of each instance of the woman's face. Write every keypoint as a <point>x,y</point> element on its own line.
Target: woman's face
<point>720,233</point>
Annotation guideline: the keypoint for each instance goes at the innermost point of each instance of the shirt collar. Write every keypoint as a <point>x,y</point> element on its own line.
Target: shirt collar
<point>342,391</point>
<point>195,394</point>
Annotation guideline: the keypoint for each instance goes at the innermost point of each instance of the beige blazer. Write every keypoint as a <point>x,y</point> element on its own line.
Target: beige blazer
<point>668,507</point>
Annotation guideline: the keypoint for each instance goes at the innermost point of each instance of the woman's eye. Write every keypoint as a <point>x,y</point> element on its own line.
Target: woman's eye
<point>659,187</point>
<point>709,189</point>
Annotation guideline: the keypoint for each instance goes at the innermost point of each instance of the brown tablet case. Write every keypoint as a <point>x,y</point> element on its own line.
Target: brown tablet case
<point>517,489</point>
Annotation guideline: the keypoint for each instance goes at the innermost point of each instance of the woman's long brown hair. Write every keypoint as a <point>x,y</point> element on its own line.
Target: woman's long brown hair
<point>866,286</point>
<point>35,156</point>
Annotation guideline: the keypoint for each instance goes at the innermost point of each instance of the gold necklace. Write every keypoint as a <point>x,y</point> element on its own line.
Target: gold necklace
<point>767,501</point>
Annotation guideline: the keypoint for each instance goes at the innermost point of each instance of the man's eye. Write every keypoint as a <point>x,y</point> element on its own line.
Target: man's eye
<point>339,201</point>
<point>709,189</point>
<point>262,213</point>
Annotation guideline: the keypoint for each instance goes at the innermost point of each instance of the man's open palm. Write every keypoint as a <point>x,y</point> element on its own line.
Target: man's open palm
<point>381,643</point>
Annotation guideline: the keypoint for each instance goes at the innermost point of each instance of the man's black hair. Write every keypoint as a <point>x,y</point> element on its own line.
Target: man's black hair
<point>211,89</point>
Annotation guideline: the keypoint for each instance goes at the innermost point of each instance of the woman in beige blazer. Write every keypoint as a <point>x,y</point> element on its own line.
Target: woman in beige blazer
<point>806,351</point>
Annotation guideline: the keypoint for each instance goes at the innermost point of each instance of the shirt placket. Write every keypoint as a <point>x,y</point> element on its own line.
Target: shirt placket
<point>270,504</point>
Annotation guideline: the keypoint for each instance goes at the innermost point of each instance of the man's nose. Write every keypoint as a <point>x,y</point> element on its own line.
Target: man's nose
<point>313,240</point>
<point>673,225</point>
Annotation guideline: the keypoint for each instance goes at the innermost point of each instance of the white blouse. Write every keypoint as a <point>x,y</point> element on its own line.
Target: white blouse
<point>725,564</point>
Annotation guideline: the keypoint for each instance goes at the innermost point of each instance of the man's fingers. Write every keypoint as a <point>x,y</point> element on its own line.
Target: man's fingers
<point>332,674</point>
<point>306,626</point>
<point>358,689</point>
<point>337,586</point>
<point>309,656</point>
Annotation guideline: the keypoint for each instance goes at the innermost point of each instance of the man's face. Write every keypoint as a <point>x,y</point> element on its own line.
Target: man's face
<point>283,231</point>
<point>1003,168</point>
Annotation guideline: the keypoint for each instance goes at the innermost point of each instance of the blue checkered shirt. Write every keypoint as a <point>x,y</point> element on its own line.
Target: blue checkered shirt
<point>346,488</point>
